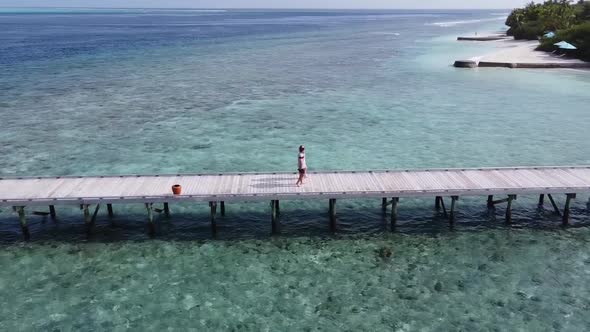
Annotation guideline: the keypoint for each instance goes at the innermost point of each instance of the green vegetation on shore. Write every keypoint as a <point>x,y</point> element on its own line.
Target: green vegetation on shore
<point>570,22</point>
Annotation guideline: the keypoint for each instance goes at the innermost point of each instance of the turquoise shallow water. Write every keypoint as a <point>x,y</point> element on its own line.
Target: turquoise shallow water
<point>121,92</point>
<point>499,280</point>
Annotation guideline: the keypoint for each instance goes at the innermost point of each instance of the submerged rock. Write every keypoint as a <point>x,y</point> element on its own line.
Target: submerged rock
<point>384,252</point>
<point>438,286</point>
<point>202,146</point>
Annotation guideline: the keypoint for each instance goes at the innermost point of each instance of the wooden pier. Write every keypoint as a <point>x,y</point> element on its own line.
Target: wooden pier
<point>218,189</point>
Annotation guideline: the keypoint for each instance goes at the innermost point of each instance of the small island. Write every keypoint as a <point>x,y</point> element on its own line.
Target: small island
<point>552,22</point>
<point>536,36</point>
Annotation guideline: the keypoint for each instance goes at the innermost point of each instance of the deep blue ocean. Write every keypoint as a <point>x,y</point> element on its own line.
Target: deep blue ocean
<point>113,91</point>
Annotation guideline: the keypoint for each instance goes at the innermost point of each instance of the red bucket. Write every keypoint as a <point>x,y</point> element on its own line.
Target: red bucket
<point>176,189</point>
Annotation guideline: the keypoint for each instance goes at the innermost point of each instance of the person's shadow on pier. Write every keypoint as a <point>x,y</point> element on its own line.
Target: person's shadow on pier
<point>272,183</point>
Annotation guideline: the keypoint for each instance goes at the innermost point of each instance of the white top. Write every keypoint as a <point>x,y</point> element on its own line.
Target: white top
<point>301,162</point>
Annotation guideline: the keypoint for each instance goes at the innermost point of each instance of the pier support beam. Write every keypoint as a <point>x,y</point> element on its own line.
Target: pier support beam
<point>150,210</point>
<point>394,203</point>
<point>166,209</point>
<point>541,200</point>
<point>384,205</point>
<point>213,207</point>
<point>222,208</point>
<point>454,200</point>
<point>52,211</point>
<point>93,219</point>
<point>40,213</point>
<point>555,208</point>
<point>276,224</point>
<point>500,201</point>
<point>23,222</point>
<point>439,203</point>
<point>566,209</point>
<point>490,202</point>
<point>333,215</point>
<point>110,210</point>
<point>444,208</point>
<point>509,208</point>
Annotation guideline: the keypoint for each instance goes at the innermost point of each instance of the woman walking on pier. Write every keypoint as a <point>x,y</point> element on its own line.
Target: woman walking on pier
<point>301,165</point>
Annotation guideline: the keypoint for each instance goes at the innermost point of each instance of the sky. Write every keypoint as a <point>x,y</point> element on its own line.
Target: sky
<point>311,4</point>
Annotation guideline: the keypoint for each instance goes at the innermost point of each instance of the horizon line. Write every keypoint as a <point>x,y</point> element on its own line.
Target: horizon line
<point>243,8</point>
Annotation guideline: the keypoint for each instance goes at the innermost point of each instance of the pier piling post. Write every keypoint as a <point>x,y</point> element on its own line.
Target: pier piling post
<point>490,202</point>
<point>87,218</point>
<point>333,215</point>
<point>150,210</point>
<point>52,211</point>
<point>566,209</point>
<point>454,200</point>
<point>23,222</point>
<point>276,225</point>
<point>110,210</point>
<point>394,202</point>
<point>437,203</point>
<point>541,200</point>
<point>509,208</point>
<point>213,206</point>
<point>222,208</point>
<point>86,214</point>
<point>166,209</point>
<point>384,205</point>
<point>555,208</point>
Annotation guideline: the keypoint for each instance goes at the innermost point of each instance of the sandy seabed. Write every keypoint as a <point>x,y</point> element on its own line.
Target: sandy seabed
<point>496,280</point>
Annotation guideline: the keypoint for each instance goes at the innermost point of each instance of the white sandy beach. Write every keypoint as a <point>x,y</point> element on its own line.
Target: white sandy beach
<point>515,51</point>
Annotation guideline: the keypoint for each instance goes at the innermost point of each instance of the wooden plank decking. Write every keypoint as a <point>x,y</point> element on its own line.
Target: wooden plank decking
<point>232,187</point>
